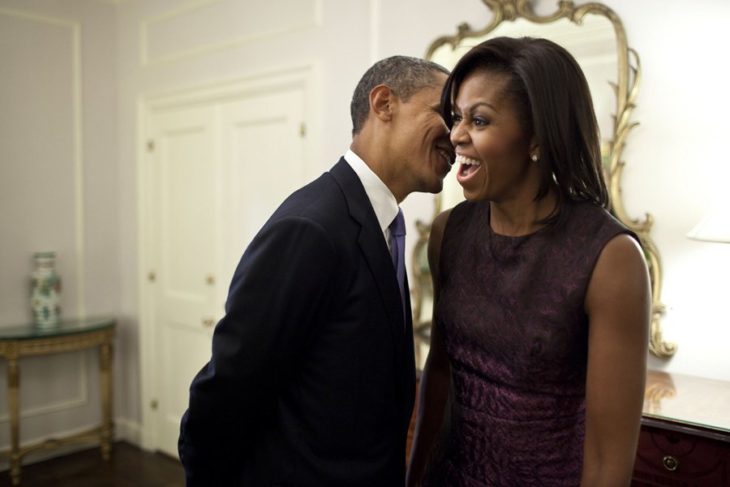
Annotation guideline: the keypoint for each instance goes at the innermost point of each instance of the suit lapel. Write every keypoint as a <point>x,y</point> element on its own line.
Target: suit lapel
<point>372,243</point>
<point>409,366</point>
<point>377,256</point>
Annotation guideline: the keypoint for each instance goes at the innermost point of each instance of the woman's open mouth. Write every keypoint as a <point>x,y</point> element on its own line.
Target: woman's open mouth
<point>467,167</point>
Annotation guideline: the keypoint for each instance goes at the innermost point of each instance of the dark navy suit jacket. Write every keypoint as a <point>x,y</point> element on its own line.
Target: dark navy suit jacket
<point>312,376</point>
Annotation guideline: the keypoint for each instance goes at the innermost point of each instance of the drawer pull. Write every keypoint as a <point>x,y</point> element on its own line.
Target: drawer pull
<point>670,463</point>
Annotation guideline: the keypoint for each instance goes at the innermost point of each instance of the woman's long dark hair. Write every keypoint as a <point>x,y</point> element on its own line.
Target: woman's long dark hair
<point>554,105</point>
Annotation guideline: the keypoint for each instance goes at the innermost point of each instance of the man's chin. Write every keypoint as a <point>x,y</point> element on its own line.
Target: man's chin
<point>436,187</point>
<point>433,184</point>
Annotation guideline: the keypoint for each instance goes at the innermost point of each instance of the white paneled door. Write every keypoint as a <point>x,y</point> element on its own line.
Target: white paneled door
<point>183,226</point>
<point>214,173</point>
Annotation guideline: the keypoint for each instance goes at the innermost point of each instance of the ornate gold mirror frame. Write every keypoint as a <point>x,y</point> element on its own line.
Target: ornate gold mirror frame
<point>625,89</point>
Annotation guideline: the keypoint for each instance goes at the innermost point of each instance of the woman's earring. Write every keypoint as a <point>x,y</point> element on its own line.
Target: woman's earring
<point>533,157</point>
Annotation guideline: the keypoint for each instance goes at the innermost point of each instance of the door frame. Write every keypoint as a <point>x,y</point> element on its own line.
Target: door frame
<point>304,77</point>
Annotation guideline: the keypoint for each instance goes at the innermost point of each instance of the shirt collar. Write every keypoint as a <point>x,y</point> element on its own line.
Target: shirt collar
<point>382,200</point>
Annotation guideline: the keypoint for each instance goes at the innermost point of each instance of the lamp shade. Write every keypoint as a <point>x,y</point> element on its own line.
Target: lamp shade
<point>713,227</point>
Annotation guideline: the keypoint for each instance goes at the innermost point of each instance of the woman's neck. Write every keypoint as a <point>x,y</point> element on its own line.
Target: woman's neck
<point>518,218</point>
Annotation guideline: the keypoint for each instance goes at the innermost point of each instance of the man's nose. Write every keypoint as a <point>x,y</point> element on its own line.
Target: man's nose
<point>445,127</point>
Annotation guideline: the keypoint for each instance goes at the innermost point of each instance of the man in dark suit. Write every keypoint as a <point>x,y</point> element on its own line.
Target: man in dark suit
<point>311,380</point>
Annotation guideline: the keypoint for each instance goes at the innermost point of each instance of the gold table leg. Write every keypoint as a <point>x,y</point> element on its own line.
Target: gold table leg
<point>107,427</point>
<point>13,412</point>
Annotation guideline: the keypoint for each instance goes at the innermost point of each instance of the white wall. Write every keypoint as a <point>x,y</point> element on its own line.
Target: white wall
<point>58,191</point>
<point>129,49</point>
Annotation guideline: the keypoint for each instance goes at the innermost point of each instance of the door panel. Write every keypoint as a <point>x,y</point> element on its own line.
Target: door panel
<point>184,223</point>
<point>263,147</point>
<point>178,337</point>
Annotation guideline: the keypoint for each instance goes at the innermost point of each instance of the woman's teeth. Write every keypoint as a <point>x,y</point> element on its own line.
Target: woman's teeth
<point>467,164</point>
<point>467,161</point>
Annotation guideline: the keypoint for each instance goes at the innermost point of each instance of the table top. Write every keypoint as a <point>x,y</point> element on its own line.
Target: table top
<point>30,331</point>
<point>686,399</point>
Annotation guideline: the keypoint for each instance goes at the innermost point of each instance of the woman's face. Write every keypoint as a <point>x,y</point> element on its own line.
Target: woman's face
<point>492,150</point>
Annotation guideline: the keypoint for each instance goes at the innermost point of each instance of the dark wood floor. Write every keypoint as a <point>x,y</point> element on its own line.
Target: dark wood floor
<point>128,467</point>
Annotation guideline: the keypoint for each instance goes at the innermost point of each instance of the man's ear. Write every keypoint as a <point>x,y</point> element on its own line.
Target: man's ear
<point>381,102</point>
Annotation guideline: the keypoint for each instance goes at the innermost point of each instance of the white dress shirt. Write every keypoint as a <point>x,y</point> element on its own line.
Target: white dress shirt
<point>383,201</point>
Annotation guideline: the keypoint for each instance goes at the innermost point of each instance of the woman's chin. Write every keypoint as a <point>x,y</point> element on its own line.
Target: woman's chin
<point>472,195</point>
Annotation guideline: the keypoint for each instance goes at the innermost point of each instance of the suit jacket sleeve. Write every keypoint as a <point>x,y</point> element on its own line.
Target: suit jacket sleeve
<point>276,297</point>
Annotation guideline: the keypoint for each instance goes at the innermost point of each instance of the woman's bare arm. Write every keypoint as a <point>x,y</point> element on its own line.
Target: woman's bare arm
<point>618,304</point>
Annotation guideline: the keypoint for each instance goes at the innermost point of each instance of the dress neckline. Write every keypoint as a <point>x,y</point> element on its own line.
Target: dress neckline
<point>512,238</point>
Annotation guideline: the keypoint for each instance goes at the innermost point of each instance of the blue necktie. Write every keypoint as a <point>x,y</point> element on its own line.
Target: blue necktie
<point>398,252</point>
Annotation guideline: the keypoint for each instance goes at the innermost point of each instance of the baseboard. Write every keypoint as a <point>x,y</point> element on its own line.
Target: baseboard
<point>129,431</point>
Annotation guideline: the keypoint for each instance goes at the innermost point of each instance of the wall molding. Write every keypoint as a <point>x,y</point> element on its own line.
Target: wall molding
<point>81,400</point>
<point>144,27</point>
<point>375,9</point>
<point>76,96</point>
<point>231,87</point>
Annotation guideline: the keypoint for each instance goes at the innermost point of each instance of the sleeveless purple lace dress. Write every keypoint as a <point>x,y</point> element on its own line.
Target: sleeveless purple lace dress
<point>511,311</point>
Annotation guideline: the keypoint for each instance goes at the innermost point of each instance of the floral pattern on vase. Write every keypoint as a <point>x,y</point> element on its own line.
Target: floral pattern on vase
<point>45,290</point>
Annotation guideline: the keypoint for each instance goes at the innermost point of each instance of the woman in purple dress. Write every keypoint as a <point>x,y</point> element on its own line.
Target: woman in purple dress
<point>536,370</point>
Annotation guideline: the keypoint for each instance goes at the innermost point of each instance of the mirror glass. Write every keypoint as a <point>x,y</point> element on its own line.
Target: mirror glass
<point>594,35</point>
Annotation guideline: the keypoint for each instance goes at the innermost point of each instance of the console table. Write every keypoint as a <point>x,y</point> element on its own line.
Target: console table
<point>685,432</point>
<point>69,335</point>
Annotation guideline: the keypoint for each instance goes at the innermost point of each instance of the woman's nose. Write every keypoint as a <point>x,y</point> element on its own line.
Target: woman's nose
<point>458,134</point>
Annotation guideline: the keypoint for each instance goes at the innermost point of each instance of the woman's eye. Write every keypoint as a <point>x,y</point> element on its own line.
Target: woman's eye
<point>456,119</point>
<point>480,122</point>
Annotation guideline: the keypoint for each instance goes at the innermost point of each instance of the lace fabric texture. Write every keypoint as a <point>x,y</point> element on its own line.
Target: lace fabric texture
<point>511,311</point>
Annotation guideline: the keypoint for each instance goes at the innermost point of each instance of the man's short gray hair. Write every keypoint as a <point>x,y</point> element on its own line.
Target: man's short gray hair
<point>404,75</point>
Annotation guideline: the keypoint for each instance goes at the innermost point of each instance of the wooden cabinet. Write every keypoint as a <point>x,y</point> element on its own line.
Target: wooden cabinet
<point>688,456</point>
<point>685,433</point>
